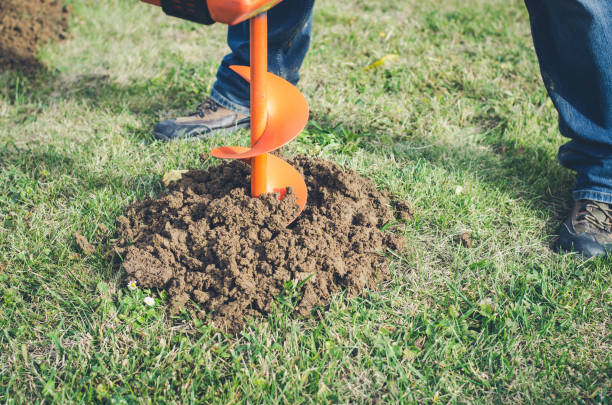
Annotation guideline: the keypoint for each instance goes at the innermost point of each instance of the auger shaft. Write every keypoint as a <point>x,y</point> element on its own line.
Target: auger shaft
<point>279,112</point>
<point>259,100</point>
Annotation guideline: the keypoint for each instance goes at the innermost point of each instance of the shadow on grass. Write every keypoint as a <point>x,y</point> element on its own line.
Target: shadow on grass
<point>38,164</point>
<point>528,173</point>
<point>150,99</point>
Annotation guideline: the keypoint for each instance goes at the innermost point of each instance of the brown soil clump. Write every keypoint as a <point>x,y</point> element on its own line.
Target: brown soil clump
<point>24,25</point>
<point>209,241</point>
<point>83,244</point>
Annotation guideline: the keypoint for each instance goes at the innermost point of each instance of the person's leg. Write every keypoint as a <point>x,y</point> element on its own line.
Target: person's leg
<point>227,108</point>
<point>289,31</point>
<point>573,41</point>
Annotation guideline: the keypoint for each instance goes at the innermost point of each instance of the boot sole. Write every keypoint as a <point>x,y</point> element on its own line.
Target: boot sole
<point>193,138</point>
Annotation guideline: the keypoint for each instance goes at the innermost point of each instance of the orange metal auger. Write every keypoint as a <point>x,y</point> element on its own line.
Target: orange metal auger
<point>279,112</point>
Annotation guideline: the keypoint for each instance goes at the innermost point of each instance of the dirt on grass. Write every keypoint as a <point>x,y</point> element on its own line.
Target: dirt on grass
<point>83,244</point>
<point>24,26</point>
<point>208,241</point>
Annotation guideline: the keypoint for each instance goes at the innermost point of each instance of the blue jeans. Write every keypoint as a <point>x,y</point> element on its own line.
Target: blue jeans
<point>289,31</point>
<point>573,41</point>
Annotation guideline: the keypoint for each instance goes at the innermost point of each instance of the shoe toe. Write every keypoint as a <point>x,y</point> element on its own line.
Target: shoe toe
<point>583,244</point>
<point>164,130</point>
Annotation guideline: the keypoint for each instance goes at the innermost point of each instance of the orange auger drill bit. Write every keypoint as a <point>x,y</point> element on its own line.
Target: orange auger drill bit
<point>279,112</point>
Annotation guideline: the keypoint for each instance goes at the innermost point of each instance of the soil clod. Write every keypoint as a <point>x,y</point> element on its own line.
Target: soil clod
<point>464,239</point>
<point>208,241</point>
<point>83,244</point>
<point>404,210</point>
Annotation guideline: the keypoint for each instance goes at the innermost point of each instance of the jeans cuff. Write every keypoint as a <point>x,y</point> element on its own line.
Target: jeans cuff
<point>593,195</point>
<point>223,101</point>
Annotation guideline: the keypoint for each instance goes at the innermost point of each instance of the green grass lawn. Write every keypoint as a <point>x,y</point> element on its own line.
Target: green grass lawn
<point>459,124</point>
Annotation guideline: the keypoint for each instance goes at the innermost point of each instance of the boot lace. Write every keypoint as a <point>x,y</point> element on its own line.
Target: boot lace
<point>207,106</point>
<point>597,214</point>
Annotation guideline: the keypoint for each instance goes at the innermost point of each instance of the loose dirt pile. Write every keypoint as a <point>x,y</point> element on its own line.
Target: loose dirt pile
<point>24,25</point>
<point>208,240</point>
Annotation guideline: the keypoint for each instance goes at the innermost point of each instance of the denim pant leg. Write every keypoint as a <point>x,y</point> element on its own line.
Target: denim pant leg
<point>573,41</point>
<point>289,32</point>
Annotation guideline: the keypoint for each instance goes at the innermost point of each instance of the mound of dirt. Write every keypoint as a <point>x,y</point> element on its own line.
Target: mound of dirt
<point>209,241</point>
<point>24,25</point>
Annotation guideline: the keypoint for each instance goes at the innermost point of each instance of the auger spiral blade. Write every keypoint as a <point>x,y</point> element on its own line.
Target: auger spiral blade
<point>279,112</point>
<point>287,116</point>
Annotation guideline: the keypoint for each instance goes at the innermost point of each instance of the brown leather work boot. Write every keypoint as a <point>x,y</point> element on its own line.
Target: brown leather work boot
<point>588,229</point>
<point>208,118</point>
